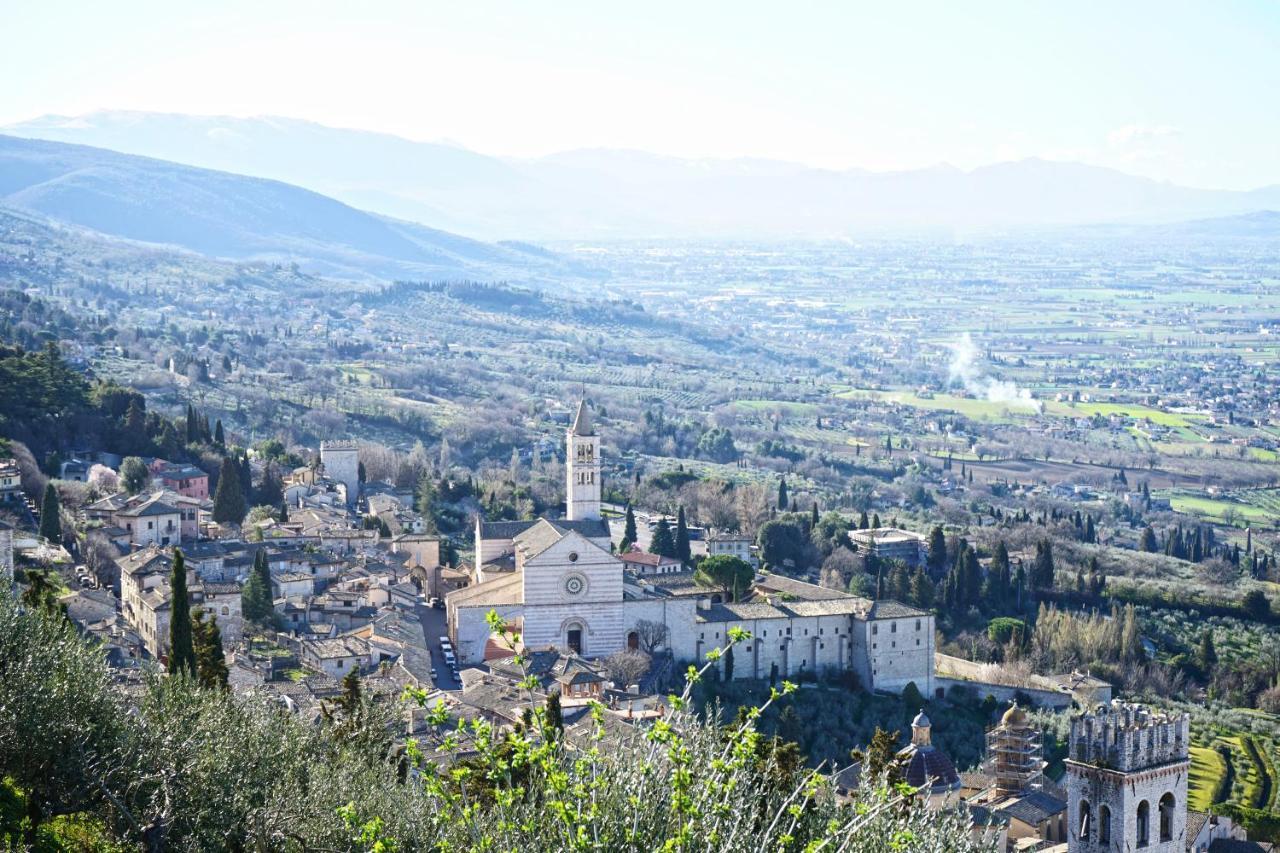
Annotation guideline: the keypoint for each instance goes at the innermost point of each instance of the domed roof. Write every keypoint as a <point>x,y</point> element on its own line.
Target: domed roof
<point>1015,716</point>
<point>929,768</point>
<point>921,721</point>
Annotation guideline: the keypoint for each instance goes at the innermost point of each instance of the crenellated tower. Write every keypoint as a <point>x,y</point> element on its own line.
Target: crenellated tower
<point>1127,769</point>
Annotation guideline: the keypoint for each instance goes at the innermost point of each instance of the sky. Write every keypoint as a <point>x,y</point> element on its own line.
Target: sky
<point>1184,92</point>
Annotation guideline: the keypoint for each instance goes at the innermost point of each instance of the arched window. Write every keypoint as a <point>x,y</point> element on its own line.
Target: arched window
<point>1166,817</point>
<point>633,641</point>
<point>1144,824</point>
<point>1104,825</point>
<point>1086,821</point>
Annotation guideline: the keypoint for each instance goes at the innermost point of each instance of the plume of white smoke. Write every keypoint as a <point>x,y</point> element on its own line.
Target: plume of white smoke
<point>964,368</point>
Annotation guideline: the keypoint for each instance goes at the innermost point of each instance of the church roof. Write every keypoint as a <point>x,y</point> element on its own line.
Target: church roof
<point>929,767</point>
<point>592,528</point>
<point>538,538</point>
<point>1034,808</point>
<point>508,589</point>
<point>582,421</point>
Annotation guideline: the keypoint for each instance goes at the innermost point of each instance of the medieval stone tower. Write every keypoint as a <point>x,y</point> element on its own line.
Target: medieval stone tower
<point>582,467</point>
<point>341,461</point>
<point>1127,780</point>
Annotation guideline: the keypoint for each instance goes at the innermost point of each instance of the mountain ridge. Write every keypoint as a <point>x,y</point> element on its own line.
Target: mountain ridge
<point>605,193</point>
<point>223,214</point>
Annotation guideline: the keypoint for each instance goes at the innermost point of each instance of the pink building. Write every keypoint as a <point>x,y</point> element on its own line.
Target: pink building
<point>187,480</point>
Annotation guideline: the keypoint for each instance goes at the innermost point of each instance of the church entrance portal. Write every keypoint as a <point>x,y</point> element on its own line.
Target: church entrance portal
<point>575,640</point>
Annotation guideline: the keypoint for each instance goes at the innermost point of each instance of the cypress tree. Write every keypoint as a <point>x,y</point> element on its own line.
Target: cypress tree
<point>51,515</point>
<point>999,585</point>
<point>256,601</point>
<point>813,519</point>
<point>182,653</point>
<point>228,499</point>
<point>629,529</point>
<point>555,715</point>
<point>1206,655</point>
<point>1148,541</point>
<point>937,549</point>
<point>782,494</point>
<point>862,520</point>
<point>211,663</point>
<point>219,437</point>
<point>193,431</point>
<point>683,551</point>
<point>662,542</point>
<point>284,510</point>
<point>1042,568</point>
<point>875,521</point>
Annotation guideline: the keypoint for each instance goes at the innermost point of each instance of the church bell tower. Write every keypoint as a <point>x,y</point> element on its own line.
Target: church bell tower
<point>582,467</point>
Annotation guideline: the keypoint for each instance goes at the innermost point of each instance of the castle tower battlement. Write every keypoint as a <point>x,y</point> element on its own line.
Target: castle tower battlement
<point>1129,737</point>
<point>1127,774</point>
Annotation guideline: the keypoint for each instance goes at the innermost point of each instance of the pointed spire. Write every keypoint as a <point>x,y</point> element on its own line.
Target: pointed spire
<point>582,422</point>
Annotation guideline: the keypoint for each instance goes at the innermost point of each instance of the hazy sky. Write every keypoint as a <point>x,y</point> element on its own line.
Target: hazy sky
<point>1181,91</point>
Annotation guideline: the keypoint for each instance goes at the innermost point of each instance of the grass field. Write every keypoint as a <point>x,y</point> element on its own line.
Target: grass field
<point>978,410</point>
<point>1207,767</point>
<point>1133,410</point>
<point>1005,412</point>
<point>1262,509</point>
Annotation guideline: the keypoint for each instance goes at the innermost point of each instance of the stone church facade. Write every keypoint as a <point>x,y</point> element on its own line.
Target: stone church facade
<point>557,584</point>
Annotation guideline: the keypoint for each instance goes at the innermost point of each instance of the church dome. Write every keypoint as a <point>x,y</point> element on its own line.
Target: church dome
<point>1015,716</point>
<point>921,722</point>
<point>929,769</point>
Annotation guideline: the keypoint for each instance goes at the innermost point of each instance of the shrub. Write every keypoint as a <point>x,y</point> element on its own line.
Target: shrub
<point>191,768</point>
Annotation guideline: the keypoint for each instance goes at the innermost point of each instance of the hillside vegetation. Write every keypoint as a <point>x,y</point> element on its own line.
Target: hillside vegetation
<point>200,769</point>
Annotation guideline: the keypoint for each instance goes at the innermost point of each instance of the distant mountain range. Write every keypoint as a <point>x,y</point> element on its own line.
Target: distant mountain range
<point>598,194</point>
<point>231,216</point>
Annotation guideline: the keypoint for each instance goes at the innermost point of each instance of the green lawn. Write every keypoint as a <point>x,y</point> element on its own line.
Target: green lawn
<point>1207,767</point>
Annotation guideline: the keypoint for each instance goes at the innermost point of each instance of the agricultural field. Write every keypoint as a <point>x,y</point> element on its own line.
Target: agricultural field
<point>1260,507</point>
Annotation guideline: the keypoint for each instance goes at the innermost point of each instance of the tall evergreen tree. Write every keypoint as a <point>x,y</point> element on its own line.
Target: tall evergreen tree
<point>1147,542</point>
<point>863,524</point>
<point>1042,569</point>
<point>937,549</point>
<point>662,542</point>
<point>629,529</point>
<point>813,519</point>
<point>211,663</point>
<point>182,652</point>
<point>922,592</point>
<point>999,584</point>
<point>256,604</point>
<point>51,515</point>
<point>683,550</point>
<point>193,429</point>
<point>219,437</point>
<point>228,500</point>
<point>555,714</point>
<point>1206,655</point>
<point>783,502</point>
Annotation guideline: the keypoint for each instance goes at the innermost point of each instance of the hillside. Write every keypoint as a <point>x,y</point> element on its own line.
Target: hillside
<point>600,193</point>
<point>236,217</point>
